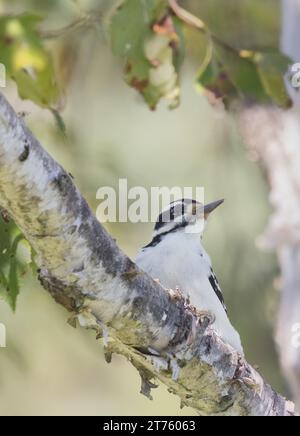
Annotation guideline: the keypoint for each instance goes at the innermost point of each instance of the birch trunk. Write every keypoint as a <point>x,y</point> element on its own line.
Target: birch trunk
<point>274,135</point>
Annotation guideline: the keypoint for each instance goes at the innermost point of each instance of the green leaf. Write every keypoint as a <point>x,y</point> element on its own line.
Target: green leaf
<point>12,262</point>
<point>3,285</point>
<point>246,75</point>
<point>205,53</point>
<point>26,59</point>
<point>32,263</point>
<point>243,73</point>
<point>214,82</point>
<point>131,24</point>
<point>59,122</point>
<point>180,48</point>
<point>271,68</point>
<point>151,42</point>
<point>13,277</point>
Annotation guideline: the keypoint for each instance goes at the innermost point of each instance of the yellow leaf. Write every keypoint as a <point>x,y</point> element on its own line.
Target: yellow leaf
<point>14,28</point>
<point>28,57</point>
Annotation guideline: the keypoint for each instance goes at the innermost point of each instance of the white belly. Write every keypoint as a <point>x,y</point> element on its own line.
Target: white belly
<point>188,269</point>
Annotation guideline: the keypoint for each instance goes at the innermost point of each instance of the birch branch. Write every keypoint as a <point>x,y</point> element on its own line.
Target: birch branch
<point>84,270</point>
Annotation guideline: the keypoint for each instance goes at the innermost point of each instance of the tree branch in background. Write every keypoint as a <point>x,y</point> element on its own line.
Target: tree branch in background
<point>269,135</point>
<point>84,270</point>
<point>273,135</point>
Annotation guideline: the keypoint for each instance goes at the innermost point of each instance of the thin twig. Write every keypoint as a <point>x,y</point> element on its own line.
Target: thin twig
<point>84,21</point>
<point>186,16</point>
<point>196,22</point>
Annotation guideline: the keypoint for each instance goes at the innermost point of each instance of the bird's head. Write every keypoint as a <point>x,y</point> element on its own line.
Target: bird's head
<point>185,215</point>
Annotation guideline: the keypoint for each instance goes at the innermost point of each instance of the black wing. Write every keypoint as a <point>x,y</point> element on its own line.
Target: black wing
<point>216,287</point>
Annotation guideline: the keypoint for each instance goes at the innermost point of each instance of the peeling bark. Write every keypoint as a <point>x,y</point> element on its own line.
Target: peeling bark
<point>84,270</point>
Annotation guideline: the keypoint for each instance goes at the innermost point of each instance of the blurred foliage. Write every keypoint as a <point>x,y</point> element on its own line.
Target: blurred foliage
<point>151,37</point>
<point>252,76</point>
<point>49,367</point>
<point>243,24</point>
<point>26,60</point>
<point>146,35</point>
<point>152,43</point>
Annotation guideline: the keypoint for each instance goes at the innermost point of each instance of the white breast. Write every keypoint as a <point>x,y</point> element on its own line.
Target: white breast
<point>179,261</point>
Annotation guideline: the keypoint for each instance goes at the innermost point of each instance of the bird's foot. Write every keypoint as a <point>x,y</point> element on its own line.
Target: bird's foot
<point>205,317</point>
<point>176,295</point>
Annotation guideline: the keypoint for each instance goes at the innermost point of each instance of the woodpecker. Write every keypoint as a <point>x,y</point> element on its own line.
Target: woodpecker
<point>176,257</point>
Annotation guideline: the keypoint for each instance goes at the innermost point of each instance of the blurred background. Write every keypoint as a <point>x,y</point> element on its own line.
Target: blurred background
<point>50,368</point>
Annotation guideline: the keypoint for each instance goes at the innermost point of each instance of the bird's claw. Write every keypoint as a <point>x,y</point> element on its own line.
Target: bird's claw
<point>205,317</point>
<point>176,295</point>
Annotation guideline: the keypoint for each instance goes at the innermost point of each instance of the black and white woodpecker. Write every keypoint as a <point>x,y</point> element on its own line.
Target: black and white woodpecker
<point>176,257</point>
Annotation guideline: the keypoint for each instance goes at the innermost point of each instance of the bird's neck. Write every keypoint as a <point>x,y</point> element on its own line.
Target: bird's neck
<point>179,235</point>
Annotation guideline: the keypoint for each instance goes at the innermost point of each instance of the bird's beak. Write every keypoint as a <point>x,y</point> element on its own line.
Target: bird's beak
<point>208,208</point>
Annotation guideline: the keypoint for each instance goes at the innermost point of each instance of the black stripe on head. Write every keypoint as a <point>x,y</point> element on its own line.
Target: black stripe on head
<point>169,214</point>
<point>176,208</point>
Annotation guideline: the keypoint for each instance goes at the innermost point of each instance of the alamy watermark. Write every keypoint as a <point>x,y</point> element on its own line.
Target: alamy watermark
<point>295,75</point>
<point>2,76</point>
<point>2,336</point>
<point>137,204</point>
<point>296,335</point>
